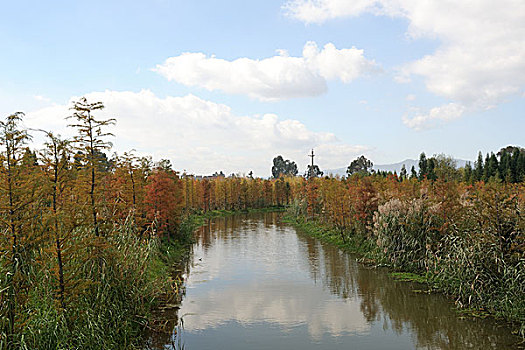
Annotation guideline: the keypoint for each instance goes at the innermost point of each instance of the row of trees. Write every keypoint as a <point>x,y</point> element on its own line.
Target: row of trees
<point>508,165</point>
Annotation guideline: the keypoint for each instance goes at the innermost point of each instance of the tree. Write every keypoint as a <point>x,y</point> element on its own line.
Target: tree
<point>337,203</point>
<point>283,167</point>
<point>423,166</point>
<point>15,193</point>
<point>445,167</point>
<point>313,172</point>
<point>509,168</point>
<point>431,173</point>
<point>468,174</point>
<point>90,141</point>
<point>164,164</point>
<point>403,174</point>
<point>413,173</point>
<point>478,168</point>
<point>128,161</point>
<point>55,157</point>
<point>360,166</point>
<point>520,172</point>
<point>29,158</point>
<point>164,200</point>
<point>491,168</point>
<point>510,150</point>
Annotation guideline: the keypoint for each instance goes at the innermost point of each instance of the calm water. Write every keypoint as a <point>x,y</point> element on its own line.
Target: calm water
<point>254,283</point>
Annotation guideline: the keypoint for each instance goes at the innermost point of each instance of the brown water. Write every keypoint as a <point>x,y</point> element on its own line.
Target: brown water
<point>255,283</point>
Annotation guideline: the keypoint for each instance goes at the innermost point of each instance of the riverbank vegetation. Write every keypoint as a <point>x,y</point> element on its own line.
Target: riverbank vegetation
<point>465,239</point>
<point>83,238</point>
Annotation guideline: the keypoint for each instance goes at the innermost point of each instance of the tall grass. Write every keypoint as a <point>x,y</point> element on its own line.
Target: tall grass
<point>466,255</point>
<point>108,305</point>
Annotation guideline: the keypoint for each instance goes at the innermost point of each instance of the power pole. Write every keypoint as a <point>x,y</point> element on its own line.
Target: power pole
<point>312,155</point>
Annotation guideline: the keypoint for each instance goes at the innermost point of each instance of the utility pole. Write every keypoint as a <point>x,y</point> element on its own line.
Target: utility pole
<point>312,155</point>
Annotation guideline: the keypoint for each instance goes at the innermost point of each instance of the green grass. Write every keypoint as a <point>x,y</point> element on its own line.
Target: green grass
<point>199,218</point>
<point>409,277</point>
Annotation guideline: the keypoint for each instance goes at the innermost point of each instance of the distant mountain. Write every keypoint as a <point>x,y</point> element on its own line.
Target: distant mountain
<point>392,167</point>
<point>397,166</point>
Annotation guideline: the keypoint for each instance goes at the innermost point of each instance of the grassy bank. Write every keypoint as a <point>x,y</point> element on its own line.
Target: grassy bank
<point>198,218</point>
<point>351,243</point>
<point>109,298</point>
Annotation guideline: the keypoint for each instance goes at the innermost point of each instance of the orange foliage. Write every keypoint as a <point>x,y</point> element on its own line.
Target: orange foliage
<point>164,202</point>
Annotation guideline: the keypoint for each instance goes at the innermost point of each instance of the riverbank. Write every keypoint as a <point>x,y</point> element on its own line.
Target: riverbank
<point>107,310</point>
<point>199,218</point>
<point>368,252</point>
<point>356,244</point>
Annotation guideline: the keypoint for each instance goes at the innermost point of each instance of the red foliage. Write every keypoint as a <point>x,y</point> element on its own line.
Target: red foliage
<point>164,200</point>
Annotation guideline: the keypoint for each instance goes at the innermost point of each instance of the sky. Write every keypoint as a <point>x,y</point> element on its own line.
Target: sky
<point>228,85</point>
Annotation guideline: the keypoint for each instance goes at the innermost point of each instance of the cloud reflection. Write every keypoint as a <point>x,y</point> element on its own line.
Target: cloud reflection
<point>248,278</point>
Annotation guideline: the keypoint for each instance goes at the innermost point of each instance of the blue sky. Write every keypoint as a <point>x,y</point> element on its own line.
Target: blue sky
<point>385,78</point>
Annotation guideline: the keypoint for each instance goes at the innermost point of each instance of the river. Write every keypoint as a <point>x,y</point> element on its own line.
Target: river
<point>256,283</point>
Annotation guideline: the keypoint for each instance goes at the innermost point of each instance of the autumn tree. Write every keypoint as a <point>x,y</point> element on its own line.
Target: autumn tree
<point>56,167</point>
<point>312,196</point>
<point>16,197</point>
<point>90,141</point>
<point>129,179</point>
<point>338,205</point>
<point>164,200</point>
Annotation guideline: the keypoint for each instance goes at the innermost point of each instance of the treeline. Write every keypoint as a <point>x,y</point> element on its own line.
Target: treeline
<point>508,165</point>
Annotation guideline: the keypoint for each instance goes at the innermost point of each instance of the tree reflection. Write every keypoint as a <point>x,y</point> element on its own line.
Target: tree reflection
<point>403,306</point>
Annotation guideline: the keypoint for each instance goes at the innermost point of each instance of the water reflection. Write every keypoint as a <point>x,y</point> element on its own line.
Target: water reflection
<point>256,283</point>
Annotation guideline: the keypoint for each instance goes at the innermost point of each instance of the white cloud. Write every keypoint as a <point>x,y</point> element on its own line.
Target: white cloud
<point>319,11</point>
<point>41,98</point>
<point>274,78</point>
<point>202,136</point>
<point>420,120</point>
<point>481,60</point>
<point>411,97</point>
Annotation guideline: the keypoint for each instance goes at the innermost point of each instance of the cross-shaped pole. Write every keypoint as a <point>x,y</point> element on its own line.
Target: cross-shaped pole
<point>312,155</point>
